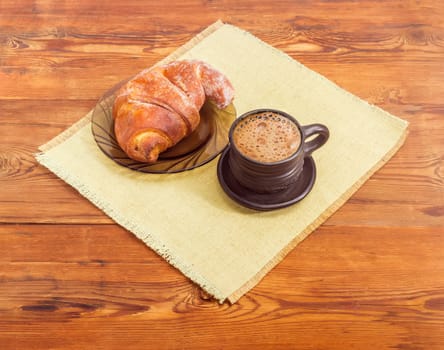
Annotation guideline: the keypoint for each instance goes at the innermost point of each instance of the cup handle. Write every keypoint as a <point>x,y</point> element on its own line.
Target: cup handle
<point>318,141</point>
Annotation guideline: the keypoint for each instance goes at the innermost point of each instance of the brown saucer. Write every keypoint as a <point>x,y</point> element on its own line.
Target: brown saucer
<point>203,145</point>
<point>260,201</point>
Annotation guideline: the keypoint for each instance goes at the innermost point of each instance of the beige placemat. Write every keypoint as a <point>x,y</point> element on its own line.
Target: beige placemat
<point>186,217</point>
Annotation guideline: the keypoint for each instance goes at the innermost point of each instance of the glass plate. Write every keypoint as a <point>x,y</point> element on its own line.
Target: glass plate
<point>200,147</point>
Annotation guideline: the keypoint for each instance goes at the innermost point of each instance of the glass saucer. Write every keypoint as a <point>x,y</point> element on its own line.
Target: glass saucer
<point>200,147</point>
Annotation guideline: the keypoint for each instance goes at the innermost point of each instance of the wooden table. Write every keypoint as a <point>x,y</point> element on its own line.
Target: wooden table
<point>371,277</point>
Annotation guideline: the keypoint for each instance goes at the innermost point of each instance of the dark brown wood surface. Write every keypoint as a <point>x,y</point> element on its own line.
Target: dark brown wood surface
<point>371,277</point>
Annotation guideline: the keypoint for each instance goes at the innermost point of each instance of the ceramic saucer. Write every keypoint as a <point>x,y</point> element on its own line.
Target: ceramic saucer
<point>261,201</point>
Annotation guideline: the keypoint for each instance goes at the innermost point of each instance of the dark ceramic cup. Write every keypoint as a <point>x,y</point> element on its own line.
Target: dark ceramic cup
<point>268,147</point>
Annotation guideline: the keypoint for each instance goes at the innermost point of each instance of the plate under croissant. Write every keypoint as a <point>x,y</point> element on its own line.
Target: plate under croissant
<point>204,144</point>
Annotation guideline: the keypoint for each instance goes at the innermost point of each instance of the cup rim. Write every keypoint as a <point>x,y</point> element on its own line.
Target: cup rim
<point>262,110</point>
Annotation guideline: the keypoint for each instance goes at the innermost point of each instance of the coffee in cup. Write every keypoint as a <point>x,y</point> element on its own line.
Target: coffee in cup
<point>268,147</point>
<point>266,137</point>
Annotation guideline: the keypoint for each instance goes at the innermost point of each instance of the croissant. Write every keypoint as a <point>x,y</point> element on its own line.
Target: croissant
<point>160,106</point>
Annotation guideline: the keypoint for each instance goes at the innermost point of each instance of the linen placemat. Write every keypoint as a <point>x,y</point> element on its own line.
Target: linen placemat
<point>186,217</point>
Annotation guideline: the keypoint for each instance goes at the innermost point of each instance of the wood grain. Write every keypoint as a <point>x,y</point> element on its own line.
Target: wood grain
<point>99,283</point>
<point>371,277</point>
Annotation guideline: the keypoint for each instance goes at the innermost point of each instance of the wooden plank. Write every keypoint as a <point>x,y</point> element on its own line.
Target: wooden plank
<point>304,34</point>
<point>376,287</point>
<point>61,82</point>
<point>395,10</point>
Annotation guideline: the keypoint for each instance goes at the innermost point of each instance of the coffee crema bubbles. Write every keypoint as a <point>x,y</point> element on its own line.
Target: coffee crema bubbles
<point>266,137</point>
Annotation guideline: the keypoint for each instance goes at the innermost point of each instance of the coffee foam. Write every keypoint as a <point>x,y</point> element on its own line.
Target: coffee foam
<point>267,137</point>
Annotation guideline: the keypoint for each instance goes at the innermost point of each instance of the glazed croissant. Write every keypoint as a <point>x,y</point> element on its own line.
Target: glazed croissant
<point>160,106</point>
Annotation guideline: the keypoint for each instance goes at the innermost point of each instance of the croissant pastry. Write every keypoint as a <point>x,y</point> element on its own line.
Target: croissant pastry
<point>160,106</point>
